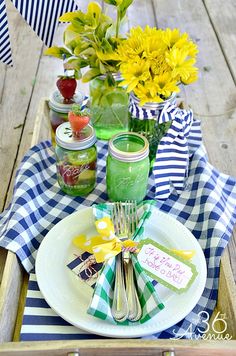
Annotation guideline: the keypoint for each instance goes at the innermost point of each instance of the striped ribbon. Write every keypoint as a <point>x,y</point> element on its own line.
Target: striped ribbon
<point>172,158</point>
<point>5,46</point>
<point>41,15</point>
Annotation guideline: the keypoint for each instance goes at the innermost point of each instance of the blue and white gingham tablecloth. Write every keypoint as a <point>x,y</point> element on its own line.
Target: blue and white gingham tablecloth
<point>207,207</point>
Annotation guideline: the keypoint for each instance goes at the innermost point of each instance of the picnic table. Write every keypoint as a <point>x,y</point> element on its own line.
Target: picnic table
<point>211,24</point>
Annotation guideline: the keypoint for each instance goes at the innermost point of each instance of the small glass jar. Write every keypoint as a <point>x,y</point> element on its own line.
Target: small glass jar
<point>59,110</point>
<point>76,160</point>
<point>127,167</point>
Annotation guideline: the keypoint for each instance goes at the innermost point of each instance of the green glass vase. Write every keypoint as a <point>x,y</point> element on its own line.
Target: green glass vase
<point>149,127</point>
<point>109,106</point>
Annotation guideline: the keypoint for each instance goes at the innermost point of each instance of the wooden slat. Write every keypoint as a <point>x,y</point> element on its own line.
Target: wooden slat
<point>120,347</point>
<point>215,90</point>
<point>225,28</point>
<point>9,296</point>
<point>179,10</point>
<point>141,13</point>
<point>17,90</point>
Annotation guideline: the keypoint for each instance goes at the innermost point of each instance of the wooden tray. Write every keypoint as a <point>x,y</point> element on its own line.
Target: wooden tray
<point>12,298</point>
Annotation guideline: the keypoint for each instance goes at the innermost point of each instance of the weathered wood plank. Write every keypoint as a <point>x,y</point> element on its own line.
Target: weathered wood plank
<point>119,347</point>
<point>215,90</point>
<point>16,92</point>
<point>9,296</point>
<point>225,28</point>
<point>141,13</point>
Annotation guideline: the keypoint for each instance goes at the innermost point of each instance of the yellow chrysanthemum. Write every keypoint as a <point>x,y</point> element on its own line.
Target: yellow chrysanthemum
<point>171,37</point>
<point>165,85</point>
<point>147,93</point>
<point>134,72</point>
<point>192,77</point>
<point>153,62</point>
<point>181,66</point>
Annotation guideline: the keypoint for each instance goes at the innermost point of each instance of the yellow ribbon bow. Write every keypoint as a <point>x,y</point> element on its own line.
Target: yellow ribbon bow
<point>106,244</point>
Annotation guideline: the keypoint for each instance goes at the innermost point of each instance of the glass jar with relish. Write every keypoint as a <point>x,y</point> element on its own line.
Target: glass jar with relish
<point>59,110</point>
<point>127,167</point>
<point>76,160</point>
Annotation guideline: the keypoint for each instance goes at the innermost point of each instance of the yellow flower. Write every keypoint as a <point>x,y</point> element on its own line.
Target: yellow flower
<point>171,37</point>
<point>134,72</point>
<point>153,62</point>
<point>181,66</point>
<point>131,48</point>
<point>165,85</point>
<point>147,93</point>
<point>192,77</point>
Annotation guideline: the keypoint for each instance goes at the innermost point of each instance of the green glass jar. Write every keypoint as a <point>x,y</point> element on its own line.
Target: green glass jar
<point>127,167</point>
<point>145,120</point>
<point>76,160</point>
<point>109,105</point>
<point>58,112</point>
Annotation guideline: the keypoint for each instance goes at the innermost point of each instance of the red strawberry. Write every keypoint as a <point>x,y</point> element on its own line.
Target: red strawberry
<point>78,119</point>
<point>67,86</point>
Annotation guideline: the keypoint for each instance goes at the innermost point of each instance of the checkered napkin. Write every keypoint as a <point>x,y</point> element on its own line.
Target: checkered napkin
<point>103,293</point>
<point>207,207</point>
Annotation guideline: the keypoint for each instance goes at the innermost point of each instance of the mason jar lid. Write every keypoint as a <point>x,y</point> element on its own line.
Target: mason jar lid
<point>56,101</point>
<point>65,139</point>
<point>129,147</point>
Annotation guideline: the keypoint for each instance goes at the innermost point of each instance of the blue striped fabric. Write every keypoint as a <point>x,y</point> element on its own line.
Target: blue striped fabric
<point>5,46</point>
<point>172,158</point>
<point>42,15</point>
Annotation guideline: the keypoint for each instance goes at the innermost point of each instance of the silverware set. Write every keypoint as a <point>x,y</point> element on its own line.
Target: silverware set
<point>126,305</point>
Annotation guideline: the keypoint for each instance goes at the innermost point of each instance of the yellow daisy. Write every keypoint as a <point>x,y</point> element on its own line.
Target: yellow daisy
<point>165,84</point>
<point>147,93</point>
<point>134,73</point>
<point>181,66</point>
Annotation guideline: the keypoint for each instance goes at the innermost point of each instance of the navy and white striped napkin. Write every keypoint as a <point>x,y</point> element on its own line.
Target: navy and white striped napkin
<point>172,157</point>
<point>207,207</point>
<point>5,46</point>
<point>41,16</point>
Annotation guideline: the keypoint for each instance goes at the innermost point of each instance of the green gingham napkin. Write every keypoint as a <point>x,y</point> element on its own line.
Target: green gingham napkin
<point>101,303</point>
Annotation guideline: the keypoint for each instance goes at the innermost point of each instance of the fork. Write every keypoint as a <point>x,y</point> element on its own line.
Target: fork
<point>135,310</point>
<point>119,308</point>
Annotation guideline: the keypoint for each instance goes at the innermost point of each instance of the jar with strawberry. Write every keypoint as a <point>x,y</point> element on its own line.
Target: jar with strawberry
<point>61,102</point>
<point>76,155</point>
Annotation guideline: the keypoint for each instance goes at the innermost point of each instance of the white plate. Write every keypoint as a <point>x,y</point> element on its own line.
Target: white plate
<point>70,297</point>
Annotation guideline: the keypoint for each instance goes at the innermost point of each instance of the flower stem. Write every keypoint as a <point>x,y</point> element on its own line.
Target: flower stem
<point>117,23</point>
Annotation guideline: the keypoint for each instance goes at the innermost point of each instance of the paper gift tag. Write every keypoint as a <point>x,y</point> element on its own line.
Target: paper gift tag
<point>166,267</point>
<point>85,267</point>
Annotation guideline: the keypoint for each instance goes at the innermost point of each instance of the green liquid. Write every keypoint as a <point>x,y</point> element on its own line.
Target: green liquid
<point>127,180</point>
<point>126,145</point>
<point>109,109</point>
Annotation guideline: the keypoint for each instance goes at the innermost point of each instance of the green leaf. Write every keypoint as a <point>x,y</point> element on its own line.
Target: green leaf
<point>90,74</point>
<point>94,9</point>
<point>58,52</point>
<point>75,64</point>
<point>122,8</point>
<point>69,16</point>
<point>78,74</point>
<point>113,2</point>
